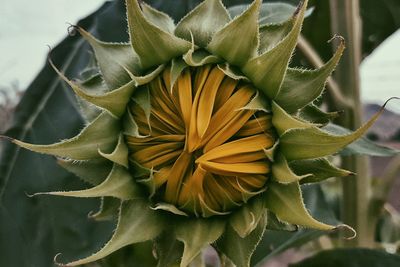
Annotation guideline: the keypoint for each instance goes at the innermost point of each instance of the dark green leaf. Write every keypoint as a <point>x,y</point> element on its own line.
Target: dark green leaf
<point>351,258</point>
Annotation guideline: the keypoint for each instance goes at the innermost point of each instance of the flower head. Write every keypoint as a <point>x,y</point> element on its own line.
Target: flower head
<point>200,128</point>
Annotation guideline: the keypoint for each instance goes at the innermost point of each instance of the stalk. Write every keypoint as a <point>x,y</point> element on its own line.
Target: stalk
<point>346,21</point>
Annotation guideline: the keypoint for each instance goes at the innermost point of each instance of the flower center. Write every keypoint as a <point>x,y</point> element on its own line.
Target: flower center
<point>204,144</point>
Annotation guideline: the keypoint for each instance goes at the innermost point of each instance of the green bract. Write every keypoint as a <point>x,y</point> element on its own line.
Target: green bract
<point>246,53</point>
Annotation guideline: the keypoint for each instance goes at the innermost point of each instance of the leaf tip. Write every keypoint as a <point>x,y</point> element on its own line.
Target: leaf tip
<point>349,232</point>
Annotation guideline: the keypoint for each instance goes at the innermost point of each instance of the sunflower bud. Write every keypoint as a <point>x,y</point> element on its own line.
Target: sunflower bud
<point>196,130</point>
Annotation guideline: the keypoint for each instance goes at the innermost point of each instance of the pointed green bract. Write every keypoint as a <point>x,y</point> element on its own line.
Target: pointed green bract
<point>283,121</point>
<point>267,71</point>
<point>158,18</point>
<point>93,171</point>
<point>131,229</point>
<point>147,77</point>
<point>273,34</point>
<point>199,58</point>
<point>109,208</point>
<point>102,133</point>
<point>315,143</point>
<point>246,219</point>
<point>319,170</point>
<point>239,250</point>
<point>273,223</point>
<point>202,22</point>
<point>112,58</point>
<point>119,155</point>
<point>232,72</point>
<point>238,41</point>
<point>153,45</point>
<point>95,84</point>
<point>177,67</point>
<point>258,103</point>
<point>313,114</point>
<point>168,249</point>
<point>282,173</point>
<point>286,202</point>
<point>196,234</point>
<point>119,184</point>
<point>301,87</point>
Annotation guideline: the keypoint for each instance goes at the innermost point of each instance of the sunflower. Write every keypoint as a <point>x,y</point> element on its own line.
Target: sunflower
<point>200,132</point>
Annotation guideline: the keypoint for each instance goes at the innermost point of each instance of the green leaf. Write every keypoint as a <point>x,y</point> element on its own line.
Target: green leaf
<point>246,219</point>
<point>114,102</point>
<point>113,59</point>
<point>356,257</point>
<point>238,41</point>
<point>283,121</point>
<point>177,67</point>
<point>196,234</point>
<point>120,154</point>
<point>314,142</point>
<point>239,250</point>
<point>317,169</point>
<point>153,45</point>
<point>102,134</point>
<point>118,184</point>
<point>301,87</point>
<point>267,71</point>
<point>362,146</point>
<point>137,223</point>
<point>93,171</point>
<point>282,173</point>
<point>202,22</point>
<point>285,200</point>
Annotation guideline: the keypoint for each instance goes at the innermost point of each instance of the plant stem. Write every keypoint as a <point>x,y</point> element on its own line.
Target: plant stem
<point>345,21</point>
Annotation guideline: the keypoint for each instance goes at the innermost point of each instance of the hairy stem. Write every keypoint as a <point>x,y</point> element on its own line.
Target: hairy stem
<point>345,21</point>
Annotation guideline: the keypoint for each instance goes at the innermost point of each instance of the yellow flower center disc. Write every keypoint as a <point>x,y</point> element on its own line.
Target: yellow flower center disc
<point>205,148</point>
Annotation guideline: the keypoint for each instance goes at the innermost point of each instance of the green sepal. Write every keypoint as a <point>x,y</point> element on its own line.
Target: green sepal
<point>282,173</point>
<point>169,208</point>
<point>93,84</point>
<point>114,101</point>
<point>136,223</point>
<point>147,77</point>
<point>153,45</point>
<point>318,169</point>
<point>270,13</point>
<point>283,121</point>
<point>238,41</point>
<point>118,184</point>
<point>144,176</point>
<point>202,22</point>
<point>112,59</point>
<point>142,98</point>
<point>286,201</point>
<point>119,155</point>
<point>130,126</point>
<point>246,219</point>
<point>196,234</point>
<point>271,152</point>
<point>109,209</point>
<point>177,67</point>
<point>361,146</point>
<point>198,58</point>
<point>277,225</point>
<point>158,18</point>
<point>168,250</point>
<point>273,34</point>
<point>315,143</point>
<point>239,250</point>
<point>258,103</point>
<point>301,87</point>
<point>314,115</point>
<point>93,171</point>
<point>267,71</point>
<point>102,133</point>
<point>233,72</point>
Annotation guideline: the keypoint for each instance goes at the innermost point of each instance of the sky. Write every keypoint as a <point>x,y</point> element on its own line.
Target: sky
<point>27,27</point>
